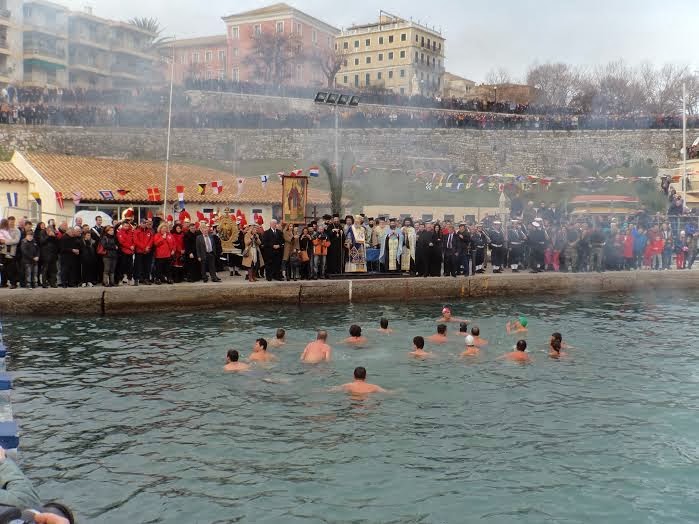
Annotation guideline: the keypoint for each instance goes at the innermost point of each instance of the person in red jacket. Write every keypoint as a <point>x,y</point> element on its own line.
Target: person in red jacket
<point>127,249</point>
<point>143,240</point>
<point>164,251</point>
<point>629,259</point>
<point>178,258</point>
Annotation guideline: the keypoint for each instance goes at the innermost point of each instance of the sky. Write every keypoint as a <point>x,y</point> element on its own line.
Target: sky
<point>479,35</point>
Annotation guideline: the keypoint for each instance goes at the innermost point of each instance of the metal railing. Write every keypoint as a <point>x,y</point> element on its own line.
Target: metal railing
<point>46,51</point>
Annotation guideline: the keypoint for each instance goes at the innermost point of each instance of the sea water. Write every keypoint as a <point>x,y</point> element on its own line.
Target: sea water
<point>131,419</point>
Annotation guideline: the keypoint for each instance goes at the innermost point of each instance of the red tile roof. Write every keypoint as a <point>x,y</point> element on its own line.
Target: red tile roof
<point>9,173</point>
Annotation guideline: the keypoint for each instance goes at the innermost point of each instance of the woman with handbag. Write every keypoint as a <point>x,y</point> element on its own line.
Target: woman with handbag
<point>252,254</point>
<point>305,253</point>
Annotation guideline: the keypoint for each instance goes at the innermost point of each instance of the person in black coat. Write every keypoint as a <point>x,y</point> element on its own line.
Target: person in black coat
<point>191,264</point>
<point>273,251</point>
<point>70,257</point>
<point>88,260</point>
<point>48,256</point>
<point>435,252</point>
<point>423,245</point>
<point>463,251</point>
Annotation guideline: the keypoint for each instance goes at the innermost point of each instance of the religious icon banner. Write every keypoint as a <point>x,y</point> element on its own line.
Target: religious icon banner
<point>294,191</point>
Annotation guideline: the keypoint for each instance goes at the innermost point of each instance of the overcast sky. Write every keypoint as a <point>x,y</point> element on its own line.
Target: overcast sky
<point>479,35</point>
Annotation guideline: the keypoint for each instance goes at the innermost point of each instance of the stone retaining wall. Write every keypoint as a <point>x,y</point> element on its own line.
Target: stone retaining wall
<point>231,294</point>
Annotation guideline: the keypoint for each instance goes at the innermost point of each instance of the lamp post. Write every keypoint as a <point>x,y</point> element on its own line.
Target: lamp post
<point>169,129</point>
<point>336,100</point>
<point>684,145</point>
<point>496,95</point>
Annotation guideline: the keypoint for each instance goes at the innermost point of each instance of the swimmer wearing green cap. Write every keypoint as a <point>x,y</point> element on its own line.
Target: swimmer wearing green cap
<point>517,326</point>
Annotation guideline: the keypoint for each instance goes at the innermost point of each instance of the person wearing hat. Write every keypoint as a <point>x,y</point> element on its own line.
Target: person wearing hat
<point>479,241</point>
<point>356,245</point>
<point>497,246</point>
<point>391,248</point>
<point>537,247</point>
<point>516,238</point>
<point>334,263</point>
<point>407,261</point>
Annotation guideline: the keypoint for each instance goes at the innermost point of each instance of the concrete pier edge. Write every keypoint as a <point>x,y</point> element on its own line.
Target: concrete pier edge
<point>124,300</point>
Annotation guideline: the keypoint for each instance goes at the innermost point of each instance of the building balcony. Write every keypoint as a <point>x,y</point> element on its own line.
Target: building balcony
<point>127,73</point>
<point>90,68</point>
<point>120,47</point>
<point>5,74</point>
<point>5,15</point>
<point>36,27</point>
<point>4,46</point>
<point>44,54</point>
<point>87,41</point>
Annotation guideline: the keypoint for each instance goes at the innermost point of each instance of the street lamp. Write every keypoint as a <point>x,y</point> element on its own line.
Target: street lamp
<point>496,95</point>
<point>336,100</point>
<point>169,128</point>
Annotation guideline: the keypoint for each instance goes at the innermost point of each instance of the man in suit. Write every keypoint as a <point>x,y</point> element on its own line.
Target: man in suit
<point>272,251</point>
<point>451,263</point>
<point>206,254</point>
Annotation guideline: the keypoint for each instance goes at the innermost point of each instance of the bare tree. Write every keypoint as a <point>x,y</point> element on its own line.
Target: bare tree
<point>556,83</point>
<point>330,61</point>
<point>274,56</point>
<point>498,76</point>
<point>662,88</point>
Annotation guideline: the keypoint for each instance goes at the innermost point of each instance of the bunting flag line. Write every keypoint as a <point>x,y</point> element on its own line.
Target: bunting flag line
<point>314,171</point>
<point>120,192</point>
<point>217,186</point>
<point>240,182</point>
<point>59,199</point>
<point>264,179</point>
<point>77,197</point>
<point>106,194</point>
<point>296,172</point>
<point>153,194</point>
<point>201,187</point>
<point>180,196</point>
<point>200,216</point>
<point>37,198</point>
<point>12,199</point>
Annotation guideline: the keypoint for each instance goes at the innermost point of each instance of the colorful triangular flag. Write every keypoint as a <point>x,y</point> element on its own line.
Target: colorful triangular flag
<point>240,182</point>
<point>37,197</point>
<point>264,179</point>
<point>12,199</point>
<point>201,187</point>
<point>217,186</point>
<point>120,192</point>
<point>106,194</point>
<point>296,172</point>
<point>59,199</point>
<point>153,194</point>
<point>180,195</point>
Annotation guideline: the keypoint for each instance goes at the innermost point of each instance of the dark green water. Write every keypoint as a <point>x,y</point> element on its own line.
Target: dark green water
<point>132,420</point>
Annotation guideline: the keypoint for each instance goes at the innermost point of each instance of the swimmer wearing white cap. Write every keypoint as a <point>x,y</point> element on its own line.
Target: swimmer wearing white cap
<point>471,348</point>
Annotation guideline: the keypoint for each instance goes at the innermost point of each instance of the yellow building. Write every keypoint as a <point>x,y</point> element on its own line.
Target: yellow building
<point>396,54</point>
<point>430,213</point>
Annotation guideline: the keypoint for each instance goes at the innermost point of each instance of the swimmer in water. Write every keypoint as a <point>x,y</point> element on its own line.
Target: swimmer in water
<point>419,349</point>
<point>232,363</point>
<point>360,386</point>
<point>517,326</point>
<point>318,350</point>
<point>471,348</point>
<point>555,350</point>
<point>441,336</point>
<point>477,340</point>
<point>259,352</point>
<point>355,336</point>
<point>384,327</point>
<point>520,354</point>
<point>446,316</point>
<point>559,337</point>
<point>279,339</point>
<point>463,329</point>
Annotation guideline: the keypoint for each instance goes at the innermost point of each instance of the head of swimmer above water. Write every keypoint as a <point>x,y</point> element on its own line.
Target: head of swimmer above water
<point>446,312</point>
<point>355,331</point>
<point>359,373</point>
<point>384,323</point>
<point>463,327</point>
<point>322,335</point>
<point>522,321</point>
<point>521,345</point>
<point>280,334</point>
<point>232,355</point>
<point>556,346</point>
<point>442,329</point>
<point>260,344</point>
<point>419,342</point>
<point>475,331</point>
<point>556,336</point>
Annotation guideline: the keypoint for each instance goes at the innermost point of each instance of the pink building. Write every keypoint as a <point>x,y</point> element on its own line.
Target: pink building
<point>315,36</point>
<point>203,58</point>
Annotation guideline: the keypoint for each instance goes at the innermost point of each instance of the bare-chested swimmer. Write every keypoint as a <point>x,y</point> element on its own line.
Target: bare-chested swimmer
<point>441,336</point>
<point>446,316</point>
<point>232,362</point>
<point>471,348</point>
<point>384,327</point>
<point>318,350</point>
<point>279,339</point>
<point>519,355</point>
<point>419,349</point>
<point>259,352</point>
<point>477,340</point>
<point>517,326</point>
<point>555,350</point>
<point>360,386</point>
<point>355,336</point>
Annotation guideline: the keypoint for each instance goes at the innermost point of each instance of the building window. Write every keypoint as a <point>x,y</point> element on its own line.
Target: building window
<point>416,56</point>
<point>422,75</point>
<point>368,60</point>
<point>390,73</point>
<point>183,59</point>
<point>280,27</point>
<point>356,61</point>
<point>299,72</point>
<point>367,42</point>
<point>356,44</point>
<point>235,33</point>
<point>402,54</point>
<point>422,58</point>
<point>221,74</point>
<point>381,40</point>
<point>330,43</point>
<point>257,29</point>
<point>345,45</point>
<point>422,42</point>
<point>390,55</point>
<point>222,56</point>
<point>314,36</point>
<point>209,56</point>
<point>417,38</point>
<point>298,28</point>
<point>344,63</point>
<point>402,90</point>
<point>379,75</point>
<point>402,73</point>
<point>439,46</point>
<point>390,39</point>
<point>403,37</point>
<point>356,80</point>
<point>427,218</point>
<point>367,78</point>
<point>428,43</point>
<point>344,79</point>
<point>195,58</point>
<point>235,51</point>
<point>380,57</point>
<point>236,74</point>
<point>434,46</point>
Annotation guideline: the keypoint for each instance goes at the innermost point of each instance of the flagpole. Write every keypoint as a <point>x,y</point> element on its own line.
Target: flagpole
<point>684,146</point>
<point>169,127</point>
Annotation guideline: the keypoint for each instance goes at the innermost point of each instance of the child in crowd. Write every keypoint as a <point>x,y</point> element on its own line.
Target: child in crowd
<point>30,258</point>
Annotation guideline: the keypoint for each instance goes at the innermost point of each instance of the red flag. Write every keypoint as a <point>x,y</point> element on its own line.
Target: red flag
<point>184,215</point>
<point>59,199</point>
<point>296,172</point>
<point>200,216</point>
<point>153,194</point>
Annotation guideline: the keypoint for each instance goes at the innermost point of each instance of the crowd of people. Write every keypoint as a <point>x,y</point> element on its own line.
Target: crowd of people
<point>166,251</point>
<point>150,108</point>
